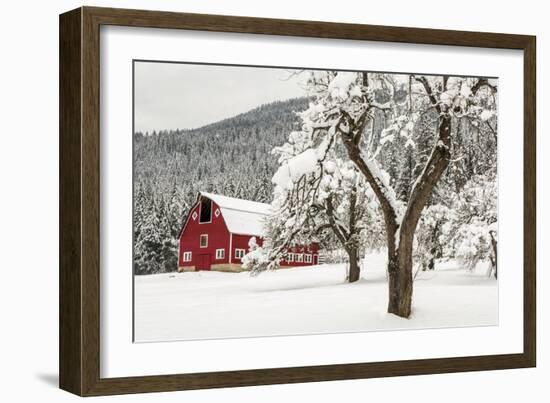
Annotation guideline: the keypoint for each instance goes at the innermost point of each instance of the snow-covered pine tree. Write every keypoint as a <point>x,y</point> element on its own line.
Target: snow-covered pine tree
<point>167,252</point>
<point>149,242</point>
<point>140,212</point>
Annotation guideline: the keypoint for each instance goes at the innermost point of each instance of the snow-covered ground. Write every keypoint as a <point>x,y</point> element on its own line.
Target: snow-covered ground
<point>309,300</point>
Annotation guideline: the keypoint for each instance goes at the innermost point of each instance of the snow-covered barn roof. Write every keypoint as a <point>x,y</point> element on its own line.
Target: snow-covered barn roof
<point>242,217</point>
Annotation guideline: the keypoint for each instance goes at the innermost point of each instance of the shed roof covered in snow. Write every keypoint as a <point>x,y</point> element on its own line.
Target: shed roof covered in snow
<point>242,217</point>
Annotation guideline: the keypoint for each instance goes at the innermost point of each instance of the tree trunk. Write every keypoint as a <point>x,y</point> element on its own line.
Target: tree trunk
<point>494,261</point>
<point>393,283</point>
<point>431,265</point>
<point>401,277</point>
<point>347,237</point>
<point>354,268</point>
<point>400,264</point>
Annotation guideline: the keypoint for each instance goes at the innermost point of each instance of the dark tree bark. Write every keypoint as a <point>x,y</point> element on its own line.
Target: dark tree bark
<point>354,268</point>
<point>494,260</point>
<point>431,264</point>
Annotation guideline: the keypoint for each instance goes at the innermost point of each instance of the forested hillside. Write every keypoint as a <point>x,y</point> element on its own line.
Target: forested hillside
<point>231,157</point>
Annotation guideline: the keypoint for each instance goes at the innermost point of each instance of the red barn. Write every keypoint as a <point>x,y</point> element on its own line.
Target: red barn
<point>217,230</point>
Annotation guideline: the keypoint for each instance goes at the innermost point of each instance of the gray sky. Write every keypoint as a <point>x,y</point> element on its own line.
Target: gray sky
<point>184,96</point>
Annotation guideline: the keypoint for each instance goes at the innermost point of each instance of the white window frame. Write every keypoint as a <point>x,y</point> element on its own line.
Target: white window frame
<point>200,241</point>
<point>308,258</point>
<point>299,257</point>
<point>290,257</point>
<point>187,256</point>
<point>239,253</point>
<point>220,254</point>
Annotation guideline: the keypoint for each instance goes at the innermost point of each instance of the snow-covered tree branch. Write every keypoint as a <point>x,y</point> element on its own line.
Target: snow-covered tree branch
<point>342,122</point>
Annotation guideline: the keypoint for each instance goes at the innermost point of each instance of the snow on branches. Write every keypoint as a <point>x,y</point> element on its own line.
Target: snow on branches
<point>318,197</point>
<point>363,136</point>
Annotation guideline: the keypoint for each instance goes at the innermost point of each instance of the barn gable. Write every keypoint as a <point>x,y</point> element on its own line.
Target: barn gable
<point>242,217</point>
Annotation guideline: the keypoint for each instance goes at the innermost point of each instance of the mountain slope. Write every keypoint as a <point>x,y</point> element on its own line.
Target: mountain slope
<point>231,157</point>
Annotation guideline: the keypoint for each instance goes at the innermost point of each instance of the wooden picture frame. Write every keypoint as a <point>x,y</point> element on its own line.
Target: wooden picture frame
<point>79,280</point>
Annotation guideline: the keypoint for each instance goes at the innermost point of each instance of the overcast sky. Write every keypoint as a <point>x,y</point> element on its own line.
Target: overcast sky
<point>185,96</point>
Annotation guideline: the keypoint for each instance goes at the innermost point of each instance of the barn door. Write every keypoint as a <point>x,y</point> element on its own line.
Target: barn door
<point>204,262</point>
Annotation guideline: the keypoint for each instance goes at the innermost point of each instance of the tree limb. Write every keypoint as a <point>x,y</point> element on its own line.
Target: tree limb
<point>433,100</point>
<point>483,82</point>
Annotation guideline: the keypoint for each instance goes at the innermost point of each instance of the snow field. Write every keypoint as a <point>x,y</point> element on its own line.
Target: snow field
<point>309,300</point>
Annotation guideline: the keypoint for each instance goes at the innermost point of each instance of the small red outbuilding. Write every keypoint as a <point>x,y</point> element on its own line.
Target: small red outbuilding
<point>218,229</point>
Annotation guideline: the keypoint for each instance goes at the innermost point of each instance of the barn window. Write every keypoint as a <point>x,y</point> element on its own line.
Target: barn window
<point>186,256</point>
<point>204,241</point>
<point>290,257</point>
<point>299,257</point>
<point>220,253</point>
<point>239,253</point>
<point>308,258</point>
<point>206,210</point>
